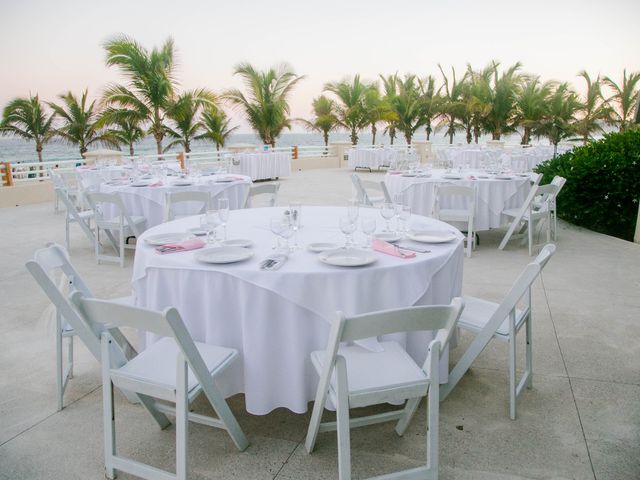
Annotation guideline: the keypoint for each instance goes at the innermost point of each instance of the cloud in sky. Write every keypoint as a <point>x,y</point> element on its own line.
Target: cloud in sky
<point>51,47</point>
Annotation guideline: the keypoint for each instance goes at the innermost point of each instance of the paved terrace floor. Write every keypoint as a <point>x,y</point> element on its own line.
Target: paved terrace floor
<point>580,421</point>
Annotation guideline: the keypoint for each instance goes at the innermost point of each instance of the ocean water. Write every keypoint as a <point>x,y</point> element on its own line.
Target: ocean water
<point>16,150</point>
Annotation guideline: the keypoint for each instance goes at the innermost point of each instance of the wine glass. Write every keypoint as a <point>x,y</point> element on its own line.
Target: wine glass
<point>223,215</point>
<point>388,211</point>
<point>404,214</point>
<point>347,227</point>
<point>295,210</point>
<point>209,221</point>
<point>281,226</point>
<point>368,226</point>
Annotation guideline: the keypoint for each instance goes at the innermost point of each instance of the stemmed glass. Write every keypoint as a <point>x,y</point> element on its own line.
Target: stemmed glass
<point>223,215</point>
<point>295,210</point>
<point>353,209</point>
<point>282,228</point>
<point>368,226</point>
<point>388,211</point>
<point>208,222</point>
<point>404,214</point>
<point>348,227</point>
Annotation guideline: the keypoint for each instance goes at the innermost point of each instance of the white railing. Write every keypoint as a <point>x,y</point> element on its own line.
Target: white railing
<point>37,171</point>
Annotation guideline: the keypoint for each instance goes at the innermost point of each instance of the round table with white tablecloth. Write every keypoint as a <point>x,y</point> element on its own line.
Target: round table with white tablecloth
<point>148,200</point>
<point>91,176</point>
<point>371,157</point>
<point>277,318</point>
<point>494,193</point>
<point>262,165</point>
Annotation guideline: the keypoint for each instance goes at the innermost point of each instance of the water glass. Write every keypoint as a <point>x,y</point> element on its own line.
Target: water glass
<point>295,210</point>
<point>223,215</point>
<point>209,221</point>
<point>404,214</point>
<point>388,211</point>
<point>368,227</point>
<point>347,227</point>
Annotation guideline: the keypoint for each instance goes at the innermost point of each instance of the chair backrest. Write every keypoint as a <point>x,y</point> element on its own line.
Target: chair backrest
<point>179,197</point>
<point>167,323</point>
<point>95,199</point>
<point>72,211</point>
<point>461,191</point>
<point>559,182</point>
<point>268,189</point>
<point>56,179</point>
<point>46,264</point>
<point>363,188</point>
<point>545,196</point>
<point>385,192</point>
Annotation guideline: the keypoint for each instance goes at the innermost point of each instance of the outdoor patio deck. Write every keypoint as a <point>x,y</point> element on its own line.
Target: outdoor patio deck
<point>580,421</point>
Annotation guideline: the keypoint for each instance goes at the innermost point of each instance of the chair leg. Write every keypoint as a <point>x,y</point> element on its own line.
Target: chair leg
<point>182,420</point>
<point>529,352</point>
<point>59,367</point>
<point>97,244</point>
<point>70,357</point>
<point>512,376</point>
<point>66,232</point>
<point>433,430</point>
<point>342,420</point>
<point>109,431</point>
<point>530,225</point>
<point>469,243</point>
<point>121,239</point>
<point>409,410</point>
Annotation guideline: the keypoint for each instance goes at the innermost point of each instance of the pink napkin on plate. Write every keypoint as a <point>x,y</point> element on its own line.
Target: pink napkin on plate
<point>391,249</point>
<point>156,184</point>
<point>184,246</point>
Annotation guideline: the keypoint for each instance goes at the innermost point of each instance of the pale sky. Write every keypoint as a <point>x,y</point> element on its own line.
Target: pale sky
<point>49,47</point>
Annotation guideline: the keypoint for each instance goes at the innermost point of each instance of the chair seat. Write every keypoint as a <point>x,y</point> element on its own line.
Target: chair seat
<point>157,364</point>
<point>389,369</point>
<point>377,199</point>
<point>514,212</point>
<point>477,313</point>
<point>114,223</point>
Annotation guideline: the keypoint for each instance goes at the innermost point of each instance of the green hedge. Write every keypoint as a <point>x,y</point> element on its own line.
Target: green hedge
<point>603,184</point>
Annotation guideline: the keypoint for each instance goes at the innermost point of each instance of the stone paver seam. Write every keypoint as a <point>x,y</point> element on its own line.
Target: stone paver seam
<point>564,363</point>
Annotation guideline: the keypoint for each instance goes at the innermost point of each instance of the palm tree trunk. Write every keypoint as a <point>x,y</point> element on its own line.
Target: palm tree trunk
<point>159,146</point>
<point>407,136</point>
<point>39,151</point>
<point>469,136</point>
<point>354,136</point>
<point>374,130</point>
<point>325,135</point>
<point>131,153</point>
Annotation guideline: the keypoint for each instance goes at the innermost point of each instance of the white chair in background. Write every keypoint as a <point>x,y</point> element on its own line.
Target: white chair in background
<point>369,193</point>
<point>534,212</point>
<point>175,370</point>
<point>267,192</point>
<point>53,271</point>
<point>173,198</point>
<point>353,376</point>
<point>60,182</point>
<point>122,225</point>
<point>73,215</point>
<point>457,216</point>
<point>559,182</point>
<point>502,321</point>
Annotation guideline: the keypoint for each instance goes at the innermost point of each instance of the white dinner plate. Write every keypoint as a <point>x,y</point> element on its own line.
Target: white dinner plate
<point>182,184</point>
<point>164,238</point>
<point>238,242</point>
<point>387,236</point>
<point>409,174</point>
<point>347,257</point>
<point>198,231</point>
<point>322,246</point>
<point>504,177</point>
<point>223,255</point>
<point>140,184</point>
<point>432,236</point>
<point>450,176</point>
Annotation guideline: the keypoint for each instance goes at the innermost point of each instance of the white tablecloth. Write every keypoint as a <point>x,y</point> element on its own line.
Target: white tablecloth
<point>371,157</point>
<point>476,157</point>
<point>149,202</point>
<point>493,195</point>
<point>262,166</point>
<point>90,177</point>
<point>275,319</point>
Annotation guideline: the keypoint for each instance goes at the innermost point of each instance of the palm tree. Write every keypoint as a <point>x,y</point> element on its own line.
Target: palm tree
<point>409,107</point>
<point>151,87</point>
<point>503,93</point>
<point>324,117</point>
<point>452,107</point>
<point>184,112</point>
<point>216,126</point>
<point>624,98</point>
<point>558,122</point>
<point>126,132</point>
<point>389,84</point>
<point>78,121</point>
<point>531,105</point>
<point>377,110</point>
<point>266,105</point>
<point>26,118</point>
<point>351,110</point>
<point>594,110</point>
<point>431,100</point>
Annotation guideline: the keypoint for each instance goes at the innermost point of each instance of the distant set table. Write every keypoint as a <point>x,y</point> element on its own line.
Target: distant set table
<point>494,193</point>
<point>261,165</point>
<point>277,318</point>
<point>149,201</point>
<point>371,157</point>
<point>519,159</point>
<point>91,176</point>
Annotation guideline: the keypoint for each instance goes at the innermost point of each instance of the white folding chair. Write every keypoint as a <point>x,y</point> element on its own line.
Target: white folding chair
<point>559,182</point>
<point>502,321</point>
<point>535,211</point>
<point>458,195</point>
<point>353,376</point>
<point>122,224</point>
<point>175,369</point>
<point>73,215</point>
<point>267,192</point>
<point>59,181</point>
<point>47,264</point>
<point>369,193</point>
<point>203,199</point>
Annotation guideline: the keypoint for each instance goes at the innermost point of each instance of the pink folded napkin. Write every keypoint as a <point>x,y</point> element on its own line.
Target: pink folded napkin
<point>156,184</point>
<point>183,246</point>
<point>391,249</point>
